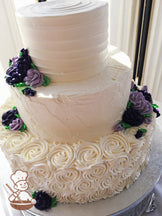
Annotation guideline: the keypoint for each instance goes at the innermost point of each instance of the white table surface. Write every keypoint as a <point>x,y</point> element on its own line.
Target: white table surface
<point>6,210</point>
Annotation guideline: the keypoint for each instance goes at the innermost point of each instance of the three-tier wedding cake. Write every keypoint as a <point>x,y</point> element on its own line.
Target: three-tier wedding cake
<point>85,130</point>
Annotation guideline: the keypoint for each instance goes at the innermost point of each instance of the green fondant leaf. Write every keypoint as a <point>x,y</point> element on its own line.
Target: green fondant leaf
<point>33,194</point>
<point>54,202</point>
<point>125,125</point>
<point>22,84</point>
<point>14,107</point>
<point>17,115</point>
<point>5,77</point>
<point>22,91</point>
<point>7,127</point>
<point>10,63</point>
<point>155,106</point>
<point>46,81</point>
<point>20,54</point>
<point>132,90</point>
<point>129,104</point>
<point>33,66</point>
<point>147,115</point>
<point>24,127</point>
<point>143,130</point>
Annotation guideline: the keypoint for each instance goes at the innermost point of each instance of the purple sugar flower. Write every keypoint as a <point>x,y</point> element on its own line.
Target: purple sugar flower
<point>14,61</point>
<point>9,116</point>
<point>137,99</point>
<point>147,120</point>
<point>16,124</point>
<point>139,134</point>
<point>133,117</point>
<point>118,127</point>
<point>146,108</point>
<point>34,78</point>
<point>144,88</point>
<point>140,103</point>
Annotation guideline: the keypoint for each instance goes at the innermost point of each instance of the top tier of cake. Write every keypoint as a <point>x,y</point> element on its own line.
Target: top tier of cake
<point>67,39</point>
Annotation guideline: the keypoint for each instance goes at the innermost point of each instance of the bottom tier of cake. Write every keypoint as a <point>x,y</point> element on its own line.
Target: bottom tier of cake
<point>78,172</point>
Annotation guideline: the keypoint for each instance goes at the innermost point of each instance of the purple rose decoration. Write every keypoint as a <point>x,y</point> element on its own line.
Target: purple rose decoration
<point>14,61</point>
<point>118,127</point>
<point>147,120</point>
<point>29,92</point>
<point>144,88</point>
<point>9,116</point>
<point>137,99</point>
<point>34,78</point>
<point>138,134</point>
<point>133,117</point>
<point>16,124</point>
<point>140,103</point>
<point>146,108</point>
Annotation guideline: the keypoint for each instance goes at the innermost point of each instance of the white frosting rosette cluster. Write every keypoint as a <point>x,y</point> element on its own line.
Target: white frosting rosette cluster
<point>61,156</point>
<point>115,146</point>
<point>79,172</point>
<point>35,151</point>
<point>87,154</point>
<point>16,142</point>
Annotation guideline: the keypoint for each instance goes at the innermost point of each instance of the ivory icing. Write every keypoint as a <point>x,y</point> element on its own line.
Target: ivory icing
<point>81,171</point>
<point>80,110</point>
<point>69,148</point>
<point>67,39</point>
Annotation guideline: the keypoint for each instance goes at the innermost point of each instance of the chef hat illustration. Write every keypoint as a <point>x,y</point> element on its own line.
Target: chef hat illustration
<point>19,175</point>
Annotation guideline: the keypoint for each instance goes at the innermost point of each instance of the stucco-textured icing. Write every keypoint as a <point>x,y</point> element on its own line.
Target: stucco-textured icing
<point>79,110</point>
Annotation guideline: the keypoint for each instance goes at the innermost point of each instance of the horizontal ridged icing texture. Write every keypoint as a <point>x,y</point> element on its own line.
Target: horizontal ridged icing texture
<point>79,110</point>
<point>78,171</point>
<point>67,40</point>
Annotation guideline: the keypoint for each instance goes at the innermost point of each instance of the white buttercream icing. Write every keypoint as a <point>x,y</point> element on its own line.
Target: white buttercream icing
<point>70,149</point>
<point>79,110</point>
<point>66,39</point>
<point>79,171</point>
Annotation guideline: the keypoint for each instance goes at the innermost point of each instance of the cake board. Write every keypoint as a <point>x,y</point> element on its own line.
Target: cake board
<point>133,201</point>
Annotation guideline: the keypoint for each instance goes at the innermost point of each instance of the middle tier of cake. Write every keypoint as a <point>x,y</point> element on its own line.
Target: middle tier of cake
<point>68,112</point>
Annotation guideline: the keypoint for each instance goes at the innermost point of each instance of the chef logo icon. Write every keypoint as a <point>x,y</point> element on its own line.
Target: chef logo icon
<point>21,198</point>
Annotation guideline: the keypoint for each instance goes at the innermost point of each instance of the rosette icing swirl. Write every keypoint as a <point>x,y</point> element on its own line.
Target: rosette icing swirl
<point>115,146</point>
<point>67,175</point>
<point>98,194</point>
<point>119,165</point>
<point>35,151</point>
<point>16,141</point>
<point>37,173</point>
<point>40,170</point>
<point>83,186</point>
<point>62,156</point>
<point>87,154</point>
<point>34,78</point>
<point>96,172</point>
<point>56,187</point>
